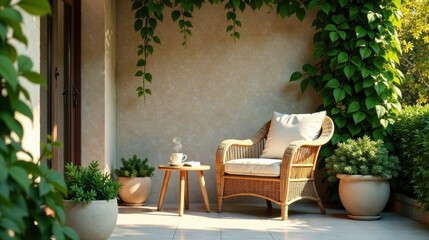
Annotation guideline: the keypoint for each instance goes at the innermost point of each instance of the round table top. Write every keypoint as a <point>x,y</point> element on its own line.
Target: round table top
<point>186,168</point>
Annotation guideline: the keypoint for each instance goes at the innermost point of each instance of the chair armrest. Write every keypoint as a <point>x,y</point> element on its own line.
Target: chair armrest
<point>230,149</point>
<point>301,153</point>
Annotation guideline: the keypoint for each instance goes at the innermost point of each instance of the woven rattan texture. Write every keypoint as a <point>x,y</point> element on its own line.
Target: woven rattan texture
<point>236,186</point>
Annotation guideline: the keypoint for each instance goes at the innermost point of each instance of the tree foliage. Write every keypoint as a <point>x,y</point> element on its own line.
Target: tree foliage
<point>27,188</point>
<point>414,36</point>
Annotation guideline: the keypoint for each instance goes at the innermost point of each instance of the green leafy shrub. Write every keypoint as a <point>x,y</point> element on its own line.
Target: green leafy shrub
<point>86,184</point>
<point>31,205</point>
<point>411,135</point>
<point>362,156</point>
<point>134,167</point>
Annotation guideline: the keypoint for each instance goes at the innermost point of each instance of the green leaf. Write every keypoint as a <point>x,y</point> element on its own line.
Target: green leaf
<point>340,121</point>
<point>353,107</point>
<point>35,7</point>
<point>24,63</point>
<point>380,110</point>
<point>349,70</point>
<point>333,83</point>
<point>325,7</point>
<point>375,47</point>
<point>343,57</point>
<point>20,176</point>
<point>338,19</point>
<point>333,36</point>
<point>295,76</point>
<point>378,62</point>
<point>365,52</point>
<point>361,43</point>
<point>304,84</point>
<point>9,14</point>
<point>360,32</point>
<point>364,72</point>
<point>157,39</point>
<point>12,124</point>
<point>358,117</point>
<point>22,108</point>
<point>138,24</point>
<point>175,15</point>
<point>44,187</point>
<point>284,10</point>
<point>368,82</point>
<point>357,61</point>
<point>34,77</point>
<point>139,73</point>
<point>342,34</point>
<point>148,91</point>
<point>300,14</point>
<point>339,94</point>
<point>148,77</point>
<point>312,4</point>
<point>7,71</point>
<point>354,129</point>
<point>342,3</point>
<point>236,3</point>
<point>330,27</point>
<point>141,63</point>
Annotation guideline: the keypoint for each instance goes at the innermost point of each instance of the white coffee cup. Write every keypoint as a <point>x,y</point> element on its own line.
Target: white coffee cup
<point>177,158</point>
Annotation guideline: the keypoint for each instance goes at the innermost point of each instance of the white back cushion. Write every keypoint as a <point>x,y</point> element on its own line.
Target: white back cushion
<point>286,128</point>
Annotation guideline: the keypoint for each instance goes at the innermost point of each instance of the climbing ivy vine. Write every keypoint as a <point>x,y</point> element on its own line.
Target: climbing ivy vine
<point>355,49</point>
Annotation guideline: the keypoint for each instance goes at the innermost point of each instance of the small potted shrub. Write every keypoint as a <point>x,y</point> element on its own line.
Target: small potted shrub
<point>91,203</point>
<point>364,168</point>
<point>135,176</point>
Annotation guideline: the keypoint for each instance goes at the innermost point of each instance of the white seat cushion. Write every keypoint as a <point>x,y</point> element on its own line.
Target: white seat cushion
<point>286,128</point>
<point>254,166</point>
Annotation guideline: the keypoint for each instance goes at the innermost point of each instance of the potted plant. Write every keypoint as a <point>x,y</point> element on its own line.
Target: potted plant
<point>364,168</point>
<point>91,203</point>
<point>135,177</point>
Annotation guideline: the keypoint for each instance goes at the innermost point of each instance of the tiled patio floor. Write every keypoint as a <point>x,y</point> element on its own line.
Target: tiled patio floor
<point>255,222</point>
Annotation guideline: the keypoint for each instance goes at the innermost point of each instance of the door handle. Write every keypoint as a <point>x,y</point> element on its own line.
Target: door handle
<point>75,97</point>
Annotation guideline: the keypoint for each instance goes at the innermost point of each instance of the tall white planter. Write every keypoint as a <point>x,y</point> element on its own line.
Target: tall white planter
<point>135,191</point>
<point>93,221</point>
<point>363,196</point>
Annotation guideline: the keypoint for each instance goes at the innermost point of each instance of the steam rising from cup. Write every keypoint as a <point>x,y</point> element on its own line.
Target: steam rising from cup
<point>178,144</point>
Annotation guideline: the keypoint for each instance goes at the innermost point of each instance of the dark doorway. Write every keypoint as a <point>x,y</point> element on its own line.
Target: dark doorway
<point>64,81</point>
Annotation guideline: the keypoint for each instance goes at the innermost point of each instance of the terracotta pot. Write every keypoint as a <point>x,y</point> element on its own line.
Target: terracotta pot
<point>363,196</point>
<point>93,221</point>
<point>135,191</point>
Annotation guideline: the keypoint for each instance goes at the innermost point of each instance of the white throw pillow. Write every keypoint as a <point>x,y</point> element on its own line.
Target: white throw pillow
<point>286,128</point>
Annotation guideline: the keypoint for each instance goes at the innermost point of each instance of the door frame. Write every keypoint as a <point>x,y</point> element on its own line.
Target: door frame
<point>72,72</point>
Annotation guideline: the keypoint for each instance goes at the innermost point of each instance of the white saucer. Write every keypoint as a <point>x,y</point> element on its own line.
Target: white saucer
<point>176,164</point>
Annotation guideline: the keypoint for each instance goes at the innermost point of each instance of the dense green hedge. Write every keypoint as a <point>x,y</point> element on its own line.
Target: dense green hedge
<point>411,138</point>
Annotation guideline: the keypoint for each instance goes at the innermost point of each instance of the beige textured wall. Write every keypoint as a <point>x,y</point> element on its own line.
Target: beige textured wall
<point>31,139</point>
<point>110,84</point>
<point>209,91</point>
<point>93,75</point>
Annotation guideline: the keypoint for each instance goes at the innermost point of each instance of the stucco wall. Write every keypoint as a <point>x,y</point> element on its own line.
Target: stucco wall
<point>31,139</point>
<point>211,90</point>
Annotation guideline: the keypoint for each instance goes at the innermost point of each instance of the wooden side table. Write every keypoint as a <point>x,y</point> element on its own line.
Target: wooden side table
<point>183,190</point>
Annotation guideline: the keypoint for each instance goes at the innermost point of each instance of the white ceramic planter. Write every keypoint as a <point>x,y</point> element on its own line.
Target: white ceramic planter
<point>135,191</point>
<point>93,221</point>
<point>363,196</point>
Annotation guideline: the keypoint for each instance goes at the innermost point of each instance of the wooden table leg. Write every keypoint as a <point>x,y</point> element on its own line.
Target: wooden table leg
<point>203,190</point>
<point>186,191</point>
<point>182,192</point>
<point>163,189</point>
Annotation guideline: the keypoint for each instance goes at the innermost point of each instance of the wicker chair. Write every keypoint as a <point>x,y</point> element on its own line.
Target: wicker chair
<point>296,180</point>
